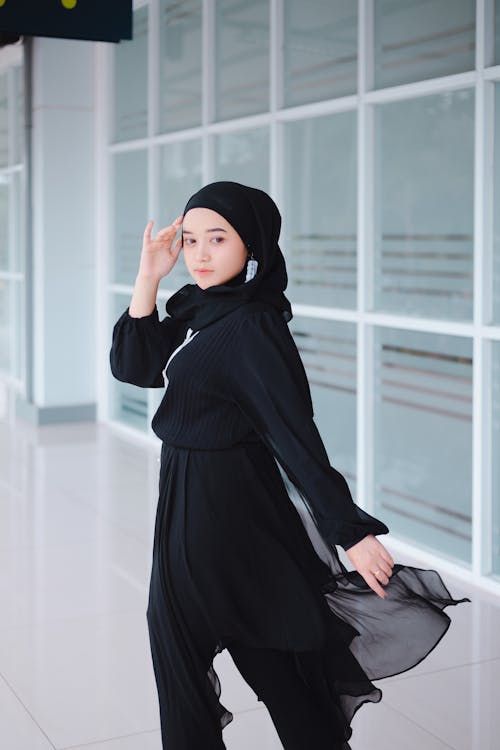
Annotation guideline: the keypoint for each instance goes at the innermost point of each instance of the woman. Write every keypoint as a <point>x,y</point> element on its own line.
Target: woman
<point>250,511</point>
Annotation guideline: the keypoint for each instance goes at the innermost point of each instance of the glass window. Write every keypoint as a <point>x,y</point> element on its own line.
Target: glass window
<point>17,261</point>
<point>4,120</point>
<point>18,134</point>
<point>496,217</point>
<point>128,403</point>
<point>320,50</point>
<point>418,39</point>
<point>11,224</point>
<point>5,337</point>
<point>180,64</point>
<point>17,329</point>
<point>4,222</point>
<point>180,177</point>
<point>243,156</point>
<point>328,351</point>
<point>131,81</point>
<point>130,193</point>
<point>497,33</point>
<point>12,328</point>
<point>320,210</point>
<point>423,438</point>
<point>242,58</point>
<point>423,226</point>
<point>495,452</point>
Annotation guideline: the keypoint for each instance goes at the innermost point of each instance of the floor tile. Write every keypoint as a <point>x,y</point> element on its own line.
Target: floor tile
<point>49,519</point>
<point>141,741</point>
<point>83,680</point>
<point>18,730</point>
<point>108,574</point>
<point>77,514</point>
<point>458,705</point>
<point>378,727</point>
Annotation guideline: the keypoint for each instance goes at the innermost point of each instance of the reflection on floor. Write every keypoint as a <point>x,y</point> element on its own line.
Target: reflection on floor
<point>77,511</point>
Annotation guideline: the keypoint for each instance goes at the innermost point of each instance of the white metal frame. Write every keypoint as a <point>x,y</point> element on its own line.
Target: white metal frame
<point>481,333</point>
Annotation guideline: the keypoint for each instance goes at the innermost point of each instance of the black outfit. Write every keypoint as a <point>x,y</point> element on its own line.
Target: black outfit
<point>250,512</point>
<point>249,515</point>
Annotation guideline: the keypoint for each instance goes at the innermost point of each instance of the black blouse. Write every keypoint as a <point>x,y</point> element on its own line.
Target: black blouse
<point>237,378</point>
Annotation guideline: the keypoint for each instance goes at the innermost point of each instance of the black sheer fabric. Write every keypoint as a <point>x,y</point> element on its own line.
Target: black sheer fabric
<point>250,514</point>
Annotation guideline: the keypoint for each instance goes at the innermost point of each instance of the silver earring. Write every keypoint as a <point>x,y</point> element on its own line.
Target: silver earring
<point>252,266</point>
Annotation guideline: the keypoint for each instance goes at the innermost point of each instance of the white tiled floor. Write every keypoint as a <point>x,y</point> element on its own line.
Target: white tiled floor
<point>77,511</point>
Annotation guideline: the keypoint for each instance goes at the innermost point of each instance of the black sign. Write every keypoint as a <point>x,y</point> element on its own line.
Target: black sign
<point>95,20</point>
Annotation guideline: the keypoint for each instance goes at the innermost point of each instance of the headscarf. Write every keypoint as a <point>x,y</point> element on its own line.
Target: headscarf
<point>257,220</point>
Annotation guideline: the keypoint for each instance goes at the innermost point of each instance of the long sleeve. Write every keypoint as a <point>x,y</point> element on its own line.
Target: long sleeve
<point>269,383</point>
<point>141,347</point>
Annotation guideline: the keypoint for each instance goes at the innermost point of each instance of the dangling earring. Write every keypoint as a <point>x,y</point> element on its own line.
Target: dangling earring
<point>252,266</point>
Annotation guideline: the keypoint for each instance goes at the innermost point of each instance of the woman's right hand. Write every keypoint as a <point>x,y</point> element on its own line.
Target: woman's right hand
<point>159,254</point>
<point>373,562</point>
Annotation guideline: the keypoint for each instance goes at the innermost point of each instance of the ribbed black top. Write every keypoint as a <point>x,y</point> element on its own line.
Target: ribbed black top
<point>240,378</point>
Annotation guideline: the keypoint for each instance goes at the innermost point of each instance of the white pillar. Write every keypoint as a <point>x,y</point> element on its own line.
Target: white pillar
<point>63,267</point>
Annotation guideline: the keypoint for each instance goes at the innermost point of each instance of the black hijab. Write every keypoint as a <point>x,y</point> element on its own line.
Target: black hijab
<point>255,216</point>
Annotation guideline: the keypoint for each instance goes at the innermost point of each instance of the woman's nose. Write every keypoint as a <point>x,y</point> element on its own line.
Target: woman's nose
<point>202,251</point>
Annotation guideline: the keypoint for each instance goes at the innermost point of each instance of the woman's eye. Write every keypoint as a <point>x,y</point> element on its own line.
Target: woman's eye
<point>191,240</point>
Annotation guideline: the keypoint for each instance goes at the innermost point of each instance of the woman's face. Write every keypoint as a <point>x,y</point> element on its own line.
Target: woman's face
<point>213,250</point>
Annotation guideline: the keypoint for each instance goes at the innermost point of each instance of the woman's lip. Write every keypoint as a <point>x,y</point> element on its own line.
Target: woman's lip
<point>203,270</point>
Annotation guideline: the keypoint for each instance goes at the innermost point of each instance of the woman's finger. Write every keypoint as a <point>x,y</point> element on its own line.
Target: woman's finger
<point>375,585</point>
<point>174,226</point>
<point>387,556</point>
<point>147,231</point>
<point>176,248</point>
<point>382,577</point>
<point>384,567</point>
<point>170,231</point>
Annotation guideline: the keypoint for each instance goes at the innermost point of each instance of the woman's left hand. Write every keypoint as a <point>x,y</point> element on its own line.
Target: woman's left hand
<point>373,562</point>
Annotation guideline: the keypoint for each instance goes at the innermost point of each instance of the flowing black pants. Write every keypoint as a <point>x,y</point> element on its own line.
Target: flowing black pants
<point>300,720</point>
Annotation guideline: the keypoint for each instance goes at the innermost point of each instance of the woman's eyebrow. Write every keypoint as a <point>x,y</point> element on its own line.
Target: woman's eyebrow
<point>216,229</point>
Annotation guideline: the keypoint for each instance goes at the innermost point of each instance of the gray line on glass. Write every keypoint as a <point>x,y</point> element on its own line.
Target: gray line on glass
<point>458,359</point>
<point>426,371</point>
<point>430,37</point>
<point>431,409</point>
<point>420,501</point>
<point>430,391</point>
<point>426,521</point>
<point>429,292</point>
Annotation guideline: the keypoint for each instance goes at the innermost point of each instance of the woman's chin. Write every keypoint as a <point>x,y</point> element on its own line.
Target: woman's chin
<point>210,279</point>
<point>204,283</point>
